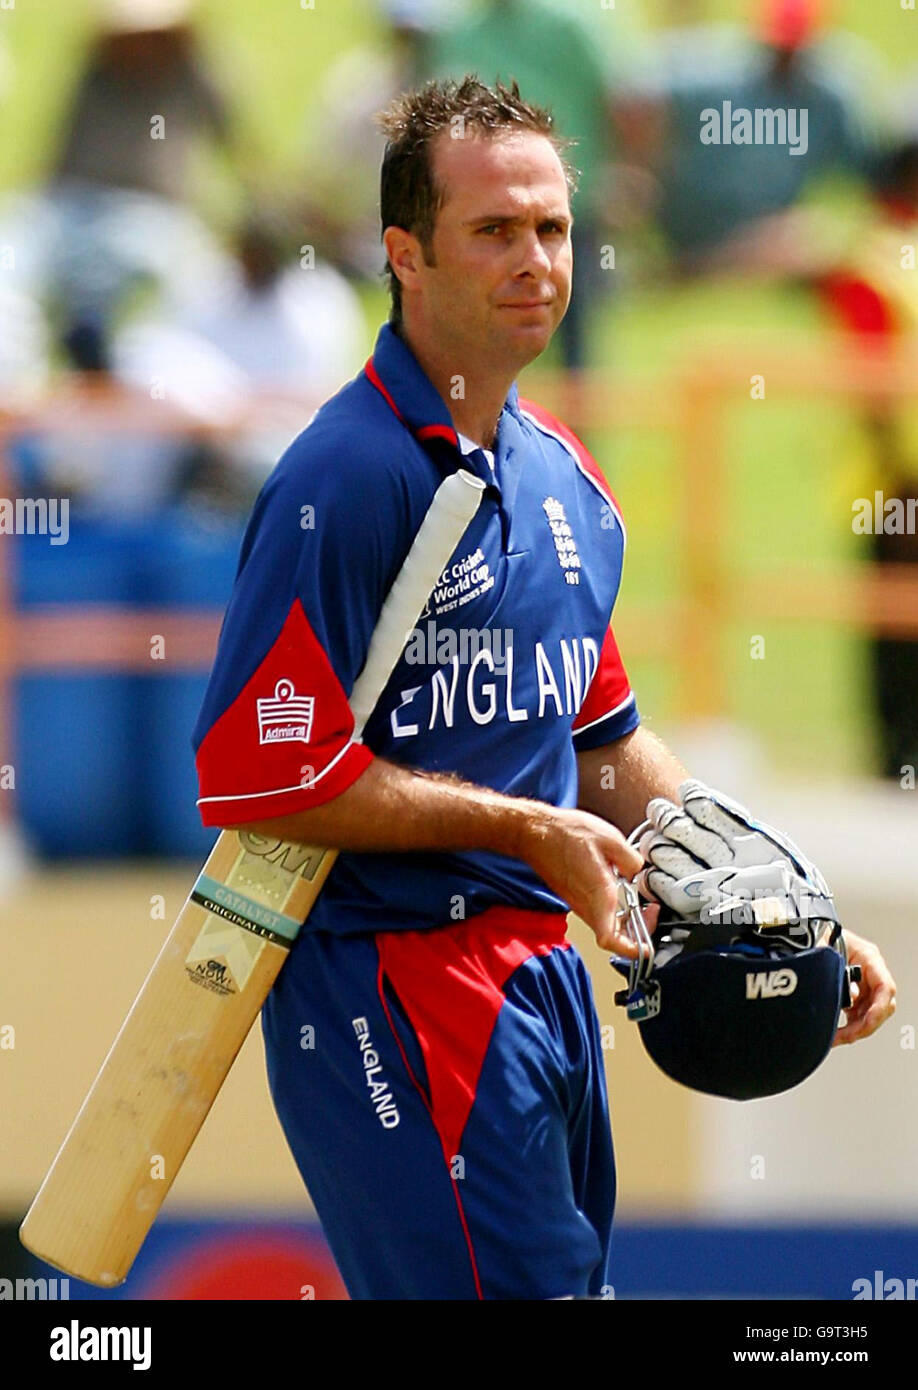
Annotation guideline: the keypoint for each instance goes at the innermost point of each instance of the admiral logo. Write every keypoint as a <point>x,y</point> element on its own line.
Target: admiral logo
<point>770,984</point>
<point>287,718</point>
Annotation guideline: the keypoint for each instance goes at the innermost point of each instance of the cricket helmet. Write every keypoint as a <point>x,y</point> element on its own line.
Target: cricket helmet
<point>729,1008</point>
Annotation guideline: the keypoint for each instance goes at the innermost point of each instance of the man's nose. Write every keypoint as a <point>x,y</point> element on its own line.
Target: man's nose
<point>535,258</point>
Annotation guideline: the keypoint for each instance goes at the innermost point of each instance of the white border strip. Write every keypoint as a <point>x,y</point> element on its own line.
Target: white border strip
<point>629,700</point>
<point>281,791</point>
<point>606,497</point>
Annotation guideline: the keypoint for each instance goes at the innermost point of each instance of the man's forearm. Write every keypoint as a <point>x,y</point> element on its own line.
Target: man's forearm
<point>392,808</point>
<point>618,779</point>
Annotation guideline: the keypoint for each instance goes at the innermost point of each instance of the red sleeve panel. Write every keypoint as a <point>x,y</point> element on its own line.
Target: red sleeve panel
<point>287,740</point>
<point>609,710</point>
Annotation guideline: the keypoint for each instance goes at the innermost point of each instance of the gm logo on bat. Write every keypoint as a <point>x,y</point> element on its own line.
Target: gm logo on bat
<point>770,984</point>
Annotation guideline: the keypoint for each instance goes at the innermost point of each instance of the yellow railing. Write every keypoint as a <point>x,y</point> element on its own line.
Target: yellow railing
<point>691,404</point>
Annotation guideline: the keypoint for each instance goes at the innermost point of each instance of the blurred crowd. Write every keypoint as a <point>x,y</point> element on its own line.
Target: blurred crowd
<point>118,275</point>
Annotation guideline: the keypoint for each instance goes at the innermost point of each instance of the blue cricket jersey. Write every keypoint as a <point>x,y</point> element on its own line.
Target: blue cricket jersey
<point>511,670</point>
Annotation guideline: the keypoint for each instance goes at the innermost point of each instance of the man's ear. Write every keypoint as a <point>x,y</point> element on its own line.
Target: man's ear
<point>403,251</point>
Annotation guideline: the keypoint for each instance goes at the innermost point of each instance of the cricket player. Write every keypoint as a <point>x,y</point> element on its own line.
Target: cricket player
<point>432,1045</point>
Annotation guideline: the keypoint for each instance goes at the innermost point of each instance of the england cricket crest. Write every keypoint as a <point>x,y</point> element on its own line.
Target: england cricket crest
<point>286,717</point>
<point>565,545</point>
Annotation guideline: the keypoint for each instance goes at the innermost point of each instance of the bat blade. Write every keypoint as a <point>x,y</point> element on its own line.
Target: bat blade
<point>171,1056</point>
<point>206,987</point>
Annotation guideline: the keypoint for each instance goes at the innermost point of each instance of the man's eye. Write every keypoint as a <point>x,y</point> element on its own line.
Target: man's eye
<point>491,227</point>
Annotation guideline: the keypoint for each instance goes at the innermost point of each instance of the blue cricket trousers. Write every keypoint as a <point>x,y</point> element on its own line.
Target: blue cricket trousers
<point>443,1095</point>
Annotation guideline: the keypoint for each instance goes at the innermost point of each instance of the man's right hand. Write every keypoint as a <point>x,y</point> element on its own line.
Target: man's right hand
<point>575,853</point>
<point>393,808</point>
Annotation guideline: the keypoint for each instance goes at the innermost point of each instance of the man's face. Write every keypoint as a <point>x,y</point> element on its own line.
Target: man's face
<point>501,279</point>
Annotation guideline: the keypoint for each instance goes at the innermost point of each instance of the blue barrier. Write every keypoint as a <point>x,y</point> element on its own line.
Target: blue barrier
<point>104,762</point>
<point>849,1263</point>
<point>191,565</point>
<point>74,734</point>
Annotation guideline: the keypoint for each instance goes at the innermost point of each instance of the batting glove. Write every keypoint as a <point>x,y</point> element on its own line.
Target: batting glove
<point>710,860</point>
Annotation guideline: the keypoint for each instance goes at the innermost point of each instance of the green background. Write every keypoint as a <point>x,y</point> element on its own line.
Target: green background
<point>796,464</point>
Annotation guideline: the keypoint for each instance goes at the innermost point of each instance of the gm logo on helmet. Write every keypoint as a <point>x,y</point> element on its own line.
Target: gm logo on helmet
<point>770,984</point>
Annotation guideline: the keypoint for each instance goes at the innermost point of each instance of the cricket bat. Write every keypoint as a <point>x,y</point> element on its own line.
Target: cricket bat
<point>207,985</point>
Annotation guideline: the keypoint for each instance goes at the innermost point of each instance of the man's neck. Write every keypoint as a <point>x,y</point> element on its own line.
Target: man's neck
<point>477,413</point>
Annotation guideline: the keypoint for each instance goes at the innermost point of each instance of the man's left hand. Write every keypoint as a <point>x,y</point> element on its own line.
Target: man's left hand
<point>874,995</point>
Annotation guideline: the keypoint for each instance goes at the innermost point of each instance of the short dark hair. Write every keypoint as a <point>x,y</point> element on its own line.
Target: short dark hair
<point>409,197</point>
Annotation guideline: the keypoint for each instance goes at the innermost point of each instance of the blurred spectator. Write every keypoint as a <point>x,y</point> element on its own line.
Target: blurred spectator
<point>24,345</point>
<point>345,146</point>
<point>715,192</point>
<point>275,324</point>
<point>84,253</point>
<point>144,66</point>
<point>112,217</point>
<point>120,476</point>
<point>560,62</point>
<point>871,294</point>
<point>278,322</point>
